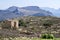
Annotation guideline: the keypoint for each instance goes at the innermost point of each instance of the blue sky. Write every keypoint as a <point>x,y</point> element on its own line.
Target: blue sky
<point>4,4</point>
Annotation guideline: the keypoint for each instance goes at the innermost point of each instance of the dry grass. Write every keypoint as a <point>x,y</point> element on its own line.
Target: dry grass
<point>25,38</point>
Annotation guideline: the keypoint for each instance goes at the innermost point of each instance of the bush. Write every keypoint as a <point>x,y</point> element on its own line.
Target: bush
<point>47,23</point>
<point>47,36</point>
<point>22,23</point>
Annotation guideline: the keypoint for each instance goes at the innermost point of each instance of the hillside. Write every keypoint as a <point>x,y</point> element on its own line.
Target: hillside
<point>35,25</point>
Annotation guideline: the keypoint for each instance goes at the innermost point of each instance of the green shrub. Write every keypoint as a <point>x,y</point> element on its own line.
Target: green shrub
<point>22,23</point>
<point>47,23</point>
<point>47,36</point>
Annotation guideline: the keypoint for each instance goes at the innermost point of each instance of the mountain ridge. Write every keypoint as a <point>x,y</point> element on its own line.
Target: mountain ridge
<point>13,12</point>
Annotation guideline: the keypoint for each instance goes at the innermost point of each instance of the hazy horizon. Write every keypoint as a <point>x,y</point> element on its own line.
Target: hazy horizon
<point>4,4</point>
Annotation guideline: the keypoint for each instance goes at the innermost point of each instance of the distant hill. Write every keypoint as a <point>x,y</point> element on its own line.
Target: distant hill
<point>13,12</point>
<point>55,12</point>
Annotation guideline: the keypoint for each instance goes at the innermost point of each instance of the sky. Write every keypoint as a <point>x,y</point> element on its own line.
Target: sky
<point>4,4</point>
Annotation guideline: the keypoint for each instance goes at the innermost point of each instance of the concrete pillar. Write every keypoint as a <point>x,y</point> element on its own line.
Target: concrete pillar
<point>17,24</point>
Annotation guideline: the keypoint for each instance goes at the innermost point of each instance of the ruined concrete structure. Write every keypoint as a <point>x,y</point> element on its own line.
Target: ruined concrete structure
<point>13,23</point>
